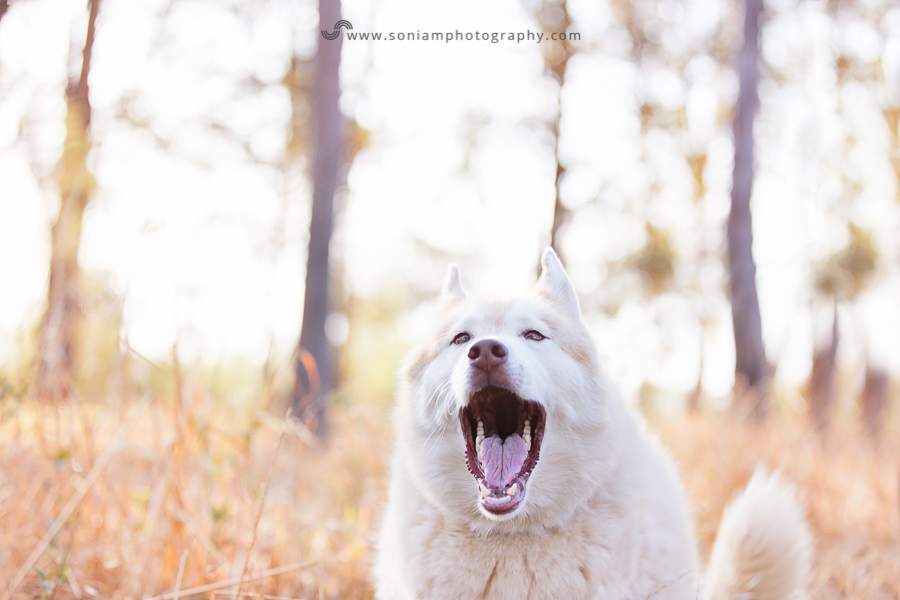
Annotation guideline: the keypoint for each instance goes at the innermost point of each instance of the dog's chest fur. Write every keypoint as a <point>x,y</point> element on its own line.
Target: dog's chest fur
<point>630,541</point>
<point>451,562</point>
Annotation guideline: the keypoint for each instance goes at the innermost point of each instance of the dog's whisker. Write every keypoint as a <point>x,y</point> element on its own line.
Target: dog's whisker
<point>433,429</point>
<point>434,447</point>
<point>443,389</point>
<point>450,407</point>
<point>446,388</point>
<point>437,391</point>
<point>570,439</point>
<point>438,442</point>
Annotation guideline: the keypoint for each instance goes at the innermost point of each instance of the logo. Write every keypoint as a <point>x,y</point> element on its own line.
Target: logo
<point>330,35</point>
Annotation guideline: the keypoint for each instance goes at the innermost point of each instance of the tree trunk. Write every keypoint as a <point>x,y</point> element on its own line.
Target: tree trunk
<point>56,372</point>
<point>822,378</point>
<point>560,212</point>
<point>556,63</point>
<point>694,398</point>
<point>874,399</point>
<point>315,364</point>
<point>751,368</point>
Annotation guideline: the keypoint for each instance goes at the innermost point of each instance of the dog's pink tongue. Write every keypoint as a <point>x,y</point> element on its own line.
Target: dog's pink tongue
<point>502,460</point>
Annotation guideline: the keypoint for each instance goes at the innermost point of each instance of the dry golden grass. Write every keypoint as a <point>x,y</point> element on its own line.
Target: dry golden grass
<point>181,497</point>
<point>849,484</point>
<point>185,486</point>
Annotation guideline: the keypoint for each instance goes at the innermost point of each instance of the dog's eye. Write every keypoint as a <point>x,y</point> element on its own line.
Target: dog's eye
<point>461,338</point>
<point>534,335</point>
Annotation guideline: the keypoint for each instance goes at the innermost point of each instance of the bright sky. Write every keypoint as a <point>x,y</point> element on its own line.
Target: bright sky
<point>207,247</point>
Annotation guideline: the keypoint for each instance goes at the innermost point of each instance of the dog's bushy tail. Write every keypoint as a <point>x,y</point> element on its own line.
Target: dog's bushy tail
<point>762,550</point>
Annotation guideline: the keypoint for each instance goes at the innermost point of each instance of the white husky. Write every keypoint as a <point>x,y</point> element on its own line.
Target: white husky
<point>519,473</point>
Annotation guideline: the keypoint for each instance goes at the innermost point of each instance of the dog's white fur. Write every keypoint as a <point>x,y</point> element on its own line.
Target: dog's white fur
<point>604,514</point>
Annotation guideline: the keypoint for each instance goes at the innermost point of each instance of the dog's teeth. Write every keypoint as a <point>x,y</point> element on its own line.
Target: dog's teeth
<point>484,490</point>
<point>512,490</point>
<point>527,426</point>
<point>528,443</point>
<point>480,428</point>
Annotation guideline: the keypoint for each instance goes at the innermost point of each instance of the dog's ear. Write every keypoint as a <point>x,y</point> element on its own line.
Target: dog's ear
<point>556,285</point>
<point>452,290</point>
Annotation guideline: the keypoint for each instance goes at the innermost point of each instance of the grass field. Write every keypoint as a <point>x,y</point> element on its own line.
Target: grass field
<point>175,505</point>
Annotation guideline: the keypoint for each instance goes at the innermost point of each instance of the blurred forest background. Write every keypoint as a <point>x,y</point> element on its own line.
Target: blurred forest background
<point>220,231</point>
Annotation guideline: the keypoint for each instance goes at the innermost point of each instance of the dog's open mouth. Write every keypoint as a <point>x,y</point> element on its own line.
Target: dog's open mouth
<point>503,434</point>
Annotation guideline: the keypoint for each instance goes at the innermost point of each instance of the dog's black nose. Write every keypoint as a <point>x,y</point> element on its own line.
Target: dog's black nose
<point>487,354</point>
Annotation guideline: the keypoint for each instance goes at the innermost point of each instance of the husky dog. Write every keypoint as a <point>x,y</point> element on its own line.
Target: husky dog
<point>519,473</point>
